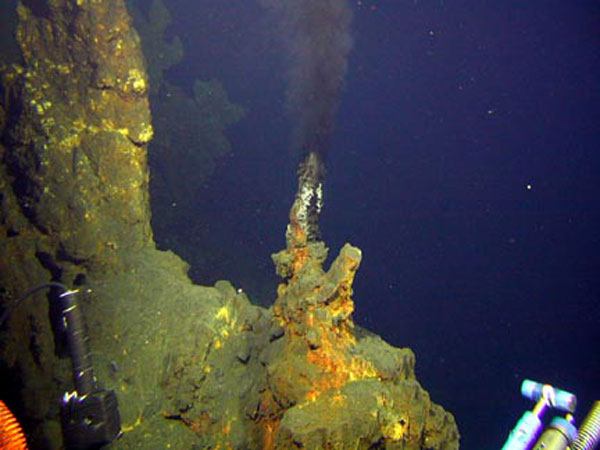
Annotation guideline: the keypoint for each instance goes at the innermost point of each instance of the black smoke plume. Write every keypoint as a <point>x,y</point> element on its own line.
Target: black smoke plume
<point>317,40</point>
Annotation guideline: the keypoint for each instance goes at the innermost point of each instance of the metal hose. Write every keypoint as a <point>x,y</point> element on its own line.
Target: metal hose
<point>589,432</point>
<point>11,434</point>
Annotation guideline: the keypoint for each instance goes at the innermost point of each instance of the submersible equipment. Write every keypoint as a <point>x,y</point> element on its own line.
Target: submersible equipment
<point>89,414</point>
<point>561,434</point>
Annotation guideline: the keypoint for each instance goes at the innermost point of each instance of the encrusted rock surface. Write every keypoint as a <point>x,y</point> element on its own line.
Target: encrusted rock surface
<point>191,365</point>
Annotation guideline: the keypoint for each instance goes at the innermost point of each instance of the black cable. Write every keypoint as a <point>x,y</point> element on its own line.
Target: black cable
<point>28,293</point>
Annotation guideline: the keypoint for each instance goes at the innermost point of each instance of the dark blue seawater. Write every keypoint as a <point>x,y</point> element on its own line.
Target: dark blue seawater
<point>465,164</point>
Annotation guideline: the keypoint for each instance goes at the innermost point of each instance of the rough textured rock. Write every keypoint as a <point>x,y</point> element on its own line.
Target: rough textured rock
<point>74,180</point>
<point>191,365</point>
<point>80,120</point>
<point>336,386</point>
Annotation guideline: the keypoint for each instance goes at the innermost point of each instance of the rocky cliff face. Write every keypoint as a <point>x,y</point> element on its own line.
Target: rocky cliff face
<point>74,208</point>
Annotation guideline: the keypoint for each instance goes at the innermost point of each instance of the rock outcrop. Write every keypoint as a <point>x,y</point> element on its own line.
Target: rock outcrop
<point>191,365</point>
